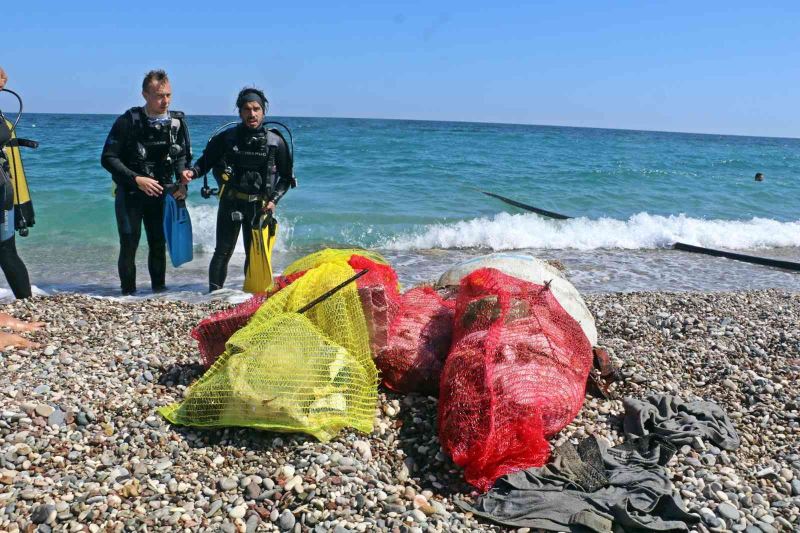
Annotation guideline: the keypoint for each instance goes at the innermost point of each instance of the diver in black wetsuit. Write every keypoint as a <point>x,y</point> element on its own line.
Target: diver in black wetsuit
<point>255,166</point>
<point>144,152</point>
<point>10,262</point>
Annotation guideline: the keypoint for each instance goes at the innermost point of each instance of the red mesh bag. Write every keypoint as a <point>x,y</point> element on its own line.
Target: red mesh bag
<point>418,341</point>
<point>516,375</point>
<point>379,274</point>
<point>214,331</point>
<point>379,296</point>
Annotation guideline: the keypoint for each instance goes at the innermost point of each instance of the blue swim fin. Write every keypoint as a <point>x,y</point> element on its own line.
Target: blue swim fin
<point>177,230</point>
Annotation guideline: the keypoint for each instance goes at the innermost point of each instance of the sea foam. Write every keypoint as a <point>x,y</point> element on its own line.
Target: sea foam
<point>641,231</point>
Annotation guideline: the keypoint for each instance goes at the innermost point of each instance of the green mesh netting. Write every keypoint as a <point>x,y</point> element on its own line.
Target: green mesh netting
<point>285,371</point>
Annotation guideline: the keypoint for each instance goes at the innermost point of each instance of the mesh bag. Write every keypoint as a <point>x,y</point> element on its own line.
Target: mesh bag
<point>214,331</point>
<point>286,371</point>
<point>418,341</point>
<point>515,375</point>
<point>378,291</point>
<point>331,255</point>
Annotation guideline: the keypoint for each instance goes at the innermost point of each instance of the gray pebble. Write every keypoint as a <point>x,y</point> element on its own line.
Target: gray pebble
<point>394,508</point>
<point>419,516</point>
<point>710,520</point>
<point>43,514</point>
<point>225,484</point>
<point>322,459</point>
<point>286,520</point>
<point>728,511</point>
<point>252,523</point>
<point>238,511</point>
<point>252,491</point>
<point>215,506</point>
<point>766,528</point>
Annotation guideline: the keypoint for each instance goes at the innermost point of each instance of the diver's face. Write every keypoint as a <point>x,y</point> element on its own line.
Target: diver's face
<point>252,114</point>
<point>157,97</point>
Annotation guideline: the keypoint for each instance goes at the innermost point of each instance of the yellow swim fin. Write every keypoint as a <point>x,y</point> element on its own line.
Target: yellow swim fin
<point>258,276</point>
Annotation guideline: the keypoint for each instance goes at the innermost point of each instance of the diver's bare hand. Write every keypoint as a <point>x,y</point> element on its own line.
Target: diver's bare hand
<point>187,176</point>
<point>269,208</point>
<point>149,186</point>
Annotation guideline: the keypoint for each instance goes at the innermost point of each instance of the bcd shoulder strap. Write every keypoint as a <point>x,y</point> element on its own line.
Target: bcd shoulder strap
<point>178,122</point>
<point>270,174</point>
<point>136,114</point>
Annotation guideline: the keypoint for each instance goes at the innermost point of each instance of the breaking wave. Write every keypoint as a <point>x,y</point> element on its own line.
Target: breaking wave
<point>641,231</point>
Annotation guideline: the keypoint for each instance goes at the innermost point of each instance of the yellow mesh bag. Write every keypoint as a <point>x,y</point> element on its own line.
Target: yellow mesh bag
<point>331,255</point>
<point>285,371</point>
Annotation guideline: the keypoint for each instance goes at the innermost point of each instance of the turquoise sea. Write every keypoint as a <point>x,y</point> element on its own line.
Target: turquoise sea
<point>411,190</point>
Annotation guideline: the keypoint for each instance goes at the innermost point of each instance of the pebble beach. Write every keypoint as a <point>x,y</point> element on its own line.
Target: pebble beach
<point>83,449</point>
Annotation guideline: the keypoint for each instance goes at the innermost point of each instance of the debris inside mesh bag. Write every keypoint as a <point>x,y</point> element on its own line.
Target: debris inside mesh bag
<point>515,375</point>
<point>488,309</point>
<point>302,363</point>
<point>413,354</point>
<point>319,391</point>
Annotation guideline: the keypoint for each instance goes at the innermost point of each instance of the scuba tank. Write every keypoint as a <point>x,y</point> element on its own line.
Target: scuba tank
<point>23,207</point>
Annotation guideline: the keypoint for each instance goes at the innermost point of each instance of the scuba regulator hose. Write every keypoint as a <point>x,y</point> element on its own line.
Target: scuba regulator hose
<point>19,113</point>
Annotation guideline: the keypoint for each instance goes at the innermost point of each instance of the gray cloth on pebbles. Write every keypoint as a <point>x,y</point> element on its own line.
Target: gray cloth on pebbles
<point>680,422</point>
<point>591,488</point>
<point>624,488</point>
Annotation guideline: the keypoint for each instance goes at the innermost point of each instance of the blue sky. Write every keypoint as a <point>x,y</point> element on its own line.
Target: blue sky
<point>715,67</point>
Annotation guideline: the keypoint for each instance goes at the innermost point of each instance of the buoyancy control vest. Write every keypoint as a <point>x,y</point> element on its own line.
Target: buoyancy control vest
<point>153,149</point>
<point>250,160</point>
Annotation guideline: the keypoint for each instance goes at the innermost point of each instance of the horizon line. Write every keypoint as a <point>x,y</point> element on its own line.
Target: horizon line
<point>468,122</point>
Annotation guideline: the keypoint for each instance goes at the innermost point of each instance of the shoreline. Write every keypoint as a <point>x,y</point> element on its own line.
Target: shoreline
<point>78,424</point>
<point>599,271</point>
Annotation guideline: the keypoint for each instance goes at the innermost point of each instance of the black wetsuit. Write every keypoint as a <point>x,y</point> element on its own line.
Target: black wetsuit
<point>245,152</point>
<point>10,262</point>
<point>133,148</point>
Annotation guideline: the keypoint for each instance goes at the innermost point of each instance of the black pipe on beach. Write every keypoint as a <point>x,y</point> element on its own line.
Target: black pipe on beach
<point>777,263</point>
<point>526,207</point>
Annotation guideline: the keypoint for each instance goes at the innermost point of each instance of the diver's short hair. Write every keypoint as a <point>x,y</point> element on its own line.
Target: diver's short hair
<point>158,76</point>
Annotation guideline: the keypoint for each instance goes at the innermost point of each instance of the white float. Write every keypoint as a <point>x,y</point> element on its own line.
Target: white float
<point>531,269</point>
